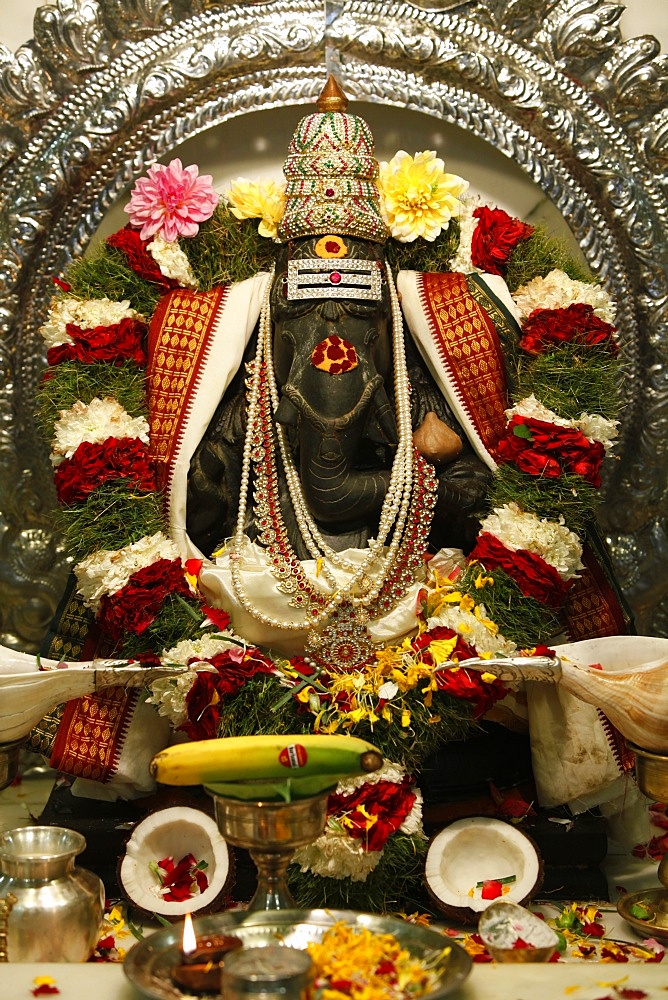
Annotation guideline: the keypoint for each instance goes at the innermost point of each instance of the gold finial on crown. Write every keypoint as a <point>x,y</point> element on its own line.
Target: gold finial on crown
<point>332,97</point>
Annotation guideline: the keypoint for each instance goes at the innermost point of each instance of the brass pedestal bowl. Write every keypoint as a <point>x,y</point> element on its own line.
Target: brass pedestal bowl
<point>271,832</point>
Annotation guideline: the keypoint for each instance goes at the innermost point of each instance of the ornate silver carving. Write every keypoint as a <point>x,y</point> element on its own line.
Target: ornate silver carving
<point>547,82</point>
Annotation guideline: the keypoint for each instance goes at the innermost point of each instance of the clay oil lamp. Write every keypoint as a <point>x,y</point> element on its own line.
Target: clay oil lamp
<point>201,960</point>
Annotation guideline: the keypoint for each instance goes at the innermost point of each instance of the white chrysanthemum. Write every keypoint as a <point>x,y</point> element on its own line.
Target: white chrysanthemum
<point>557,291</point>
<point>480,632</point>
<point>172,261</point>
<point>95,422</point>
<point>467,225</point>
<point>84,313</point>
<point>593,426</point>
<point>108,570</point>
<point>598,428</point>
<point>336,855</point>
<point>417,196</point>
<point>551,540</point>
<point>204,647</point>
<point>169,695</point>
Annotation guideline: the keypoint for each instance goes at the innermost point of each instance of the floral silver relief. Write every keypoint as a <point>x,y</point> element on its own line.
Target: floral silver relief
<point>106,86</point>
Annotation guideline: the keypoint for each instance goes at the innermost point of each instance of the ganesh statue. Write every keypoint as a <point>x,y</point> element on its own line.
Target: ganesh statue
<point>350,468</point>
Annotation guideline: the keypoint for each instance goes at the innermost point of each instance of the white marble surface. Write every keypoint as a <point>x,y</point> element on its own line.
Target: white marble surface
<point>486,982</point>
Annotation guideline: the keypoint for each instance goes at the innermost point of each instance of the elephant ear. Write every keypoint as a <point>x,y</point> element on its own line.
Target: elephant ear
<point>380,426</point>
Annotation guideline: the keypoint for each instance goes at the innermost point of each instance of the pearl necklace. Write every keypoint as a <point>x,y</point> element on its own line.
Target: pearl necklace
<point>408,502</point>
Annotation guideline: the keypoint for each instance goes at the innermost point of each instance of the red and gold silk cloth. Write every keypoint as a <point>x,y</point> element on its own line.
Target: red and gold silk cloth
<point>179,339</point>
<point>91,732</point>
<point>456,323</point>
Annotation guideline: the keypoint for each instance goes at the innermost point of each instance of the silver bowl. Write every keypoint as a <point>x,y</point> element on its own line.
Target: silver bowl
<point>149,964</point>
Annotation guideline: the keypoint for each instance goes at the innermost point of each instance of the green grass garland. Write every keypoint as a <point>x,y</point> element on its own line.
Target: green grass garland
<point>537,256</point>
<point>522,619</point>
<point>257,708</point>
<point>422,255</point>
<point>570,379</point>
<point>111,517</point>
<point>227,249</point>
<point>393,885</point>
<point>174,624</point>
<point>72,381</point>
<point>569,496</point>
<point>106,274</point>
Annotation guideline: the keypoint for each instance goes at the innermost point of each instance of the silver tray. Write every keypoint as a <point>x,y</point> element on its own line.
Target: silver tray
<point>148,965</point>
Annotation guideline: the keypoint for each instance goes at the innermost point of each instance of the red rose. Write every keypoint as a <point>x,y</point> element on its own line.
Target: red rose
<point>133,247</point>
<point>459,682</point>
<point>541,448</point>
<point>233,667</point>
<point>389,802</point>
<point>136,605</point>
<point>535,577</point>
<point>123,341</point>
<point>92,465</point>
<point>202,705</point>
<point>577,324</point>
<point>495,237</point>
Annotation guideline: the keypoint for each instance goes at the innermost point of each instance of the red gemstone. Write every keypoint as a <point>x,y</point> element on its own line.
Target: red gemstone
<point>330,192</point>
<point>335,277</point>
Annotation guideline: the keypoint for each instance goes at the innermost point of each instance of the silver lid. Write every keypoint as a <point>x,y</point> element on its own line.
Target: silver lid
<point>271,971</point>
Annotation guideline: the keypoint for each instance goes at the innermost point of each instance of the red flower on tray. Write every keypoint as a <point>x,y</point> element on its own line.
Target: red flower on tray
<point>374,811</point>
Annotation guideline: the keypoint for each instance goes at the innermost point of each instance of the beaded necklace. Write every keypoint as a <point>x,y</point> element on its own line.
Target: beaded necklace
<point>335,617</point>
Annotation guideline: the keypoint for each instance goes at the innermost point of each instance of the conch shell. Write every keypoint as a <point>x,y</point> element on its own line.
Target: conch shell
<point>625,676</point>
<point>29,688</point>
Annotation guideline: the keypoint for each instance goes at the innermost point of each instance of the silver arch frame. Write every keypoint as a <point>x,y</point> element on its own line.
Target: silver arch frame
<point>106,86</point>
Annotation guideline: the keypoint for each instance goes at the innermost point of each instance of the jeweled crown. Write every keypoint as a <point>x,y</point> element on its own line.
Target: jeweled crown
<point>331,175</point>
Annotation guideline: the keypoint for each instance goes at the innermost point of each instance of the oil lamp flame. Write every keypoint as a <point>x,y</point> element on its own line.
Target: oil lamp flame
<point>189,940</point>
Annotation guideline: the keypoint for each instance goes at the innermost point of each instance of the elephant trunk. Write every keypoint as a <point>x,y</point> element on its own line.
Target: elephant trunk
<point>337,495</point>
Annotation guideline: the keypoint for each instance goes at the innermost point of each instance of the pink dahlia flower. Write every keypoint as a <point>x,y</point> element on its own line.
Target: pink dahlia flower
<point>171,201</point>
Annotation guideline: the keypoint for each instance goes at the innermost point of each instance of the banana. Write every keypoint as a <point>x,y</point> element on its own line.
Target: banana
<point>239,758</point>
<point>278,790</point>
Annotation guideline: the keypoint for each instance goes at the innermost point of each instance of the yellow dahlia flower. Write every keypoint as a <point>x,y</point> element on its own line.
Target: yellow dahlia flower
<point>252,200</point>
<point>418,197</point>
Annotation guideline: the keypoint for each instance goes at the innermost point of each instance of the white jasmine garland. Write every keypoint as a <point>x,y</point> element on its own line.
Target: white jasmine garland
<point>169,695</point>
<point>593,426</point>
<point>550,540</point>
<point>95,422</point>
<point>203,648</point>
<point>84,313</point>
<point>107,571</point>
<point>557,291</point>
<point>467,225</point>
<point>172,261</point>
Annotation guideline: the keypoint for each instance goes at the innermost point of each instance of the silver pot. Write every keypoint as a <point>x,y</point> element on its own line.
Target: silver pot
<point>52,910</point>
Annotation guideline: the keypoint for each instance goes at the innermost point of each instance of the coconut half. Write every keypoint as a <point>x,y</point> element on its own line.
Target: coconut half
<point>174,832</point>
<point>475,850</point>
